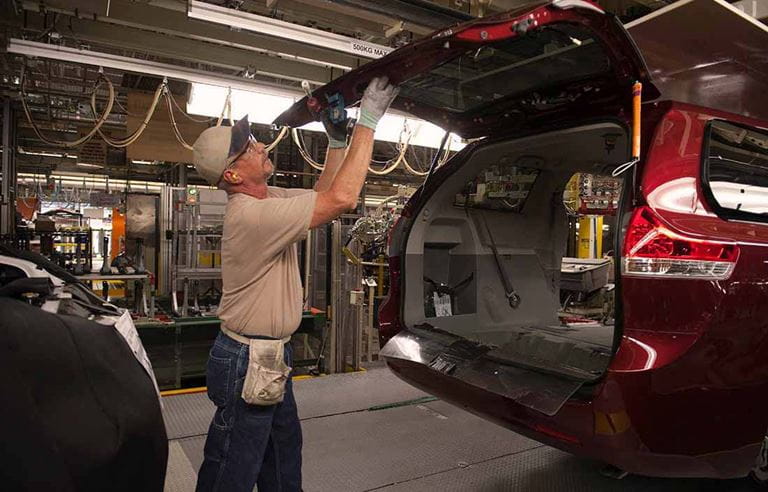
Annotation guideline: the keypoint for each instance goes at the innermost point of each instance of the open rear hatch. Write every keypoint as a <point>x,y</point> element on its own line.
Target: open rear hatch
<point>535,63</point>
<point>488,230</point>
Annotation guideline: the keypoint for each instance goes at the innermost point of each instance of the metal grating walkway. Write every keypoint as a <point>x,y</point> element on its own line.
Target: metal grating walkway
<point>349,445</point>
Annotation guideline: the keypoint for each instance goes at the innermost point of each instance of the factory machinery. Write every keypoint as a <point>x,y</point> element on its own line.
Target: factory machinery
<point>360,279</point>
<point>587,272</point>
<point>67,239</point>
<point>191,252</point>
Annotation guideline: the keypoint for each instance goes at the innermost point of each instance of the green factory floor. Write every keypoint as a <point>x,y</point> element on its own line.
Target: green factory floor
<point>370,431</point>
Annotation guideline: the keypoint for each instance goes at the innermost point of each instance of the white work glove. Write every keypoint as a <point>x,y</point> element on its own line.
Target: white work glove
<point>376,100</point>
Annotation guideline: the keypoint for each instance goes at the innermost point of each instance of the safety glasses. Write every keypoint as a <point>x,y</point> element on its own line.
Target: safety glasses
<point>249,145</point>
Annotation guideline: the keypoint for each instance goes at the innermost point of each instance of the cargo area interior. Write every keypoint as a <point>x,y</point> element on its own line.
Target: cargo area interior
<point>509,196</point>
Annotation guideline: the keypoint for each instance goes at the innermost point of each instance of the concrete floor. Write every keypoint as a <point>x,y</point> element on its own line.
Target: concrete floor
<point>370,431</point>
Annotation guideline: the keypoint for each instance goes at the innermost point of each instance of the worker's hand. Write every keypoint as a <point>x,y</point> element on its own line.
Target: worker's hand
<point>337,132</point>
<point>376,100</point>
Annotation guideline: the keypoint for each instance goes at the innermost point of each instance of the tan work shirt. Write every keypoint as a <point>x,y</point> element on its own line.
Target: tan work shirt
<point>262,293</point>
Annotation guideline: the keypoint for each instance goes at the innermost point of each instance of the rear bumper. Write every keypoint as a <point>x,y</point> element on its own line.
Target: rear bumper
<point>600,426</point>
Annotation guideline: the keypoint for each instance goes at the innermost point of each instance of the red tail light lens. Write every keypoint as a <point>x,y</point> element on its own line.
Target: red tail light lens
<point>653,249</point>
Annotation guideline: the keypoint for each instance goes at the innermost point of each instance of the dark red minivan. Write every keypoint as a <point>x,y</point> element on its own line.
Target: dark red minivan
<point>672,378</point>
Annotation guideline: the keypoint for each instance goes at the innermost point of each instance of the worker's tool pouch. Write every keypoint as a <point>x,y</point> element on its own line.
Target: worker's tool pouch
<point>267,372</point>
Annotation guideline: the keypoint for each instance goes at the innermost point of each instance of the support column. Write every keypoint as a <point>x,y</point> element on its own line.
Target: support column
<point>8,187</point>
<point>334,291</point>
<point>590,243</point>
<point>182,174</point>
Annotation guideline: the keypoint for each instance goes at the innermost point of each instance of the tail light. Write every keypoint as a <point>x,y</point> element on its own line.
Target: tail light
<point>651,249</point>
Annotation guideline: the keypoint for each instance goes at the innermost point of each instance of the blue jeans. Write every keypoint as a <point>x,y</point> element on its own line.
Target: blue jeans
<point>248,445</point>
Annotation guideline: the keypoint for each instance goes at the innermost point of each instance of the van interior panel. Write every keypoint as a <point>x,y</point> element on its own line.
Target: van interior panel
<point>467,257</point>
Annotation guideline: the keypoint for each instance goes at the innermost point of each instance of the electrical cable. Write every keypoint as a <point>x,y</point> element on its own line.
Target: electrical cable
<point>174,126</point>
<point>402,146</point>
<point>125,142</point>
<point>226,109</point>
<point>443,160</point>
<point>162,90</point>
<point>227,106</point>
<point>388,161</point>
<point>102,119</point>
<point>624,167</point>
<point>303,152</point>
<point>412,170</point>
<point>380,207</point>
<point>278,138</point>
<point>117,101</point>
<point>185,114</point>
<point>395,162</point>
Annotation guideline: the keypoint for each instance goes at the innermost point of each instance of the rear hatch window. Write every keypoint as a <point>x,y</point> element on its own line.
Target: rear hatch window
<point>479,77</point>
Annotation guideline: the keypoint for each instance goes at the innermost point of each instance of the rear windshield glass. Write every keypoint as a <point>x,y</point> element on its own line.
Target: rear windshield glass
<point>549,56</point>
<point>736,170</point>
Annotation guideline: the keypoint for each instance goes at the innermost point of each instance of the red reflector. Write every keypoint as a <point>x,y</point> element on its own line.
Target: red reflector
<point>556,434</point>
<point>652,248</point>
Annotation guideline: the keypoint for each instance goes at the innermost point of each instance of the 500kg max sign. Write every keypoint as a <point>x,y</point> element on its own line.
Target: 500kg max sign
<point>369,50</point>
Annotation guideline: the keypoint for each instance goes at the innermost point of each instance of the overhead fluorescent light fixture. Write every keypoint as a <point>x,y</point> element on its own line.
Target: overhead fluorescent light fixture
<point>261,107</point>
<point>22,151</point>
<point>87,57</point>
<point>206,100</point>
<point>94,180</point>
<point>286,30</point>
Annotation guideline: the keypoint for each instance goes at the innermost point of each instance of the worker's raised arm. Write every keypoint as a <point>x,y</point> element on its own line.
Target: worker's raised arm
<point>333,160</point>
<point>345,188</point>
<point>337,149</point>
